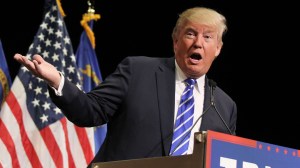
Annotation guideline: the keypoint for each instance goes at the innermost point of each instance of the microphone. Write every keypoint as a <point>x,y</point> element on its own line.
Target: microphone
<point>213,86</point>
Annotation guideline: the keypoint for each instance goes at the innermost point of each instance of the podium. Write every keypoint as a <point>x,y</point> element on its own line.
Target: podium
<point>214,149</point>
<point>195,160</point>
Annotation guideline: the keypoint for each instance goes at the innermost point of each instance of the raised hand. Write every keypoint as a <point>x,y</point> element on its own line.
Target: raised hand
<point>40,68</point>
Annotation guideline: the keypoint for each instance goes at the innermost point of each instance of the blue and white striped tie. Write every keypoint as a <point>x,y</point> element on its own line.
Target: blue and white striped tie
<point>184,120</point>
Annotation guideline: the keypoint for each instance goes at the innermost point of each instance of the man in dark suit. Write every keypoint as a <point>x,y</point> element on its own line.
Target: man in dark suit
<point>139,101</point>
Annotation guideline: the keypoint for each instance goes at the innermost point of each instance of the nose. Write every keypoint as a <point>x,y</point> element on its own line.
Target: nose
<point>198,43</point>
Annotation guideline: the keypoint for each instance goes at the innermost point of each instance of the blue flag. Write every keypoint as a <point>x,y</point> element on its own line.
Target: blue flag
<point>88,66</point>
<point>5,79</point>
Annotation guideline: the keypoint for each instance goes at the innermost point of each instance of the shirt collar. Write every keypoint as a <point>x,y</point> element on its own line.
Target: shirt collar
<point>180,77</point>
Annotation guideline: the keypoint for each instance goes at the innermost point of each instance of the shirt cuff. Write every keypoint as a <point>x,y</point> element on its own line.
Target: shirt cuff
<point>58,91</point>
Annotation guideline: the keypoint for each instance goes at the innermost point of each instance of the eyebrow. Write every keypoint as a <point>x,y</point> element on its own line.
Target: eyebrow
<point>206,30</point>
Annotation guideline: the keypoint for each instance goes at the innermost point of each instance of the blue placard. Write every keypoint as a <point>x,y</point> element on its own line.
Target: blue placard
<point>228,151</point>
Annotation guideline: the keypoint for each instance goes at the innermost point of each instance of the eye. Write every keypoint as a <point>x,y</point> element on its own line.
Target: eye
<point>190,35</point>
<point>208,37</point>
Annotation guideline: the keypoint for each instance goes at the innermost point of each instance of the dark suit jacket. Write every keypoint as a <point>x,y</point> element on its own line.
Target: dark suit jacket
<point>137,101</point>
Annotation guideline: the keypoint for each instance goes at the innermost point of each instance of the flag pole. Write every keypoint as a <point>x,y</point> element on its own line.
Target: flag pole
<point>91,7</point>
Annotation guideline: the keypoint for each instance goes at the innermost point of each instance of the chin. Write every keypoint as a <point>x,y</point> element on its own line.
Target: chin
<point>193,73</point>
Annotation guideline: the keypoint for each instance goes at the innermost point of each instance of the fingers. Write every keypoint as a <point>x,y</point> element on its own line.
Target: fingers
<point>40,68</point>
<point>22,59</point>
<point>31,65</point>
<point>18,57</point>
<point>38,58</point>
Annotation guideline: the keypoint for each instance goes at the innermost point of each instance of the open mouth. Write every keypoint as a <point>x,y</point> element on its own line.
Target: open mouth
<point>196,56</point>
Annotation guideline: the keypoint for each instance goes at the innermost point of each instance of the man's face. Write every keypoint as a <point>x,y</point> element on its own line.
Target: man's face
<point>195,47</point>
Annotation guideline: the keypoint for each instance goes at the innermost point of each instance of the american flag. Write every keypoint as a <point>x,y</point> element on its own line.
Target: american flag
<point>33,131</point>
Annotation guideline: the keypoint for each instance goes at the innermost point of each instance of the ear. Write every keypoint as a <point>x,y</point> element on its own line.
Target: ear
<point>218,50</point>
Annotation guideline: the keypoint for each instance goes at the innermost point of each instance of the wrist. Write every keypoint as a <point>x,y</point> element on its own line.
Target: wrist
<point>56,82</point>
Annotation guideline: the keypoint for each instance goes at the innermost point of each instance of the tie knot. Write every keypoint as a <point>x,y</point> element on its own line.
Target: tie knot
<point>190,81</point>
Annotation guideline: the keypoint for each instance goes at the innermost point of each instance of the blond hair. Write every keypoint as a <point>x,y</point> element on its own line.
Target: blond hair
<point>202,15</point>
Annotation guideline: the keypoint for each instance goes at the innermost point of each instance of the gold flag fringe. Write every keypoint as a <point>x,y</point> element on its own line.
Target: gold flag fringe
<point>60,8</point>
<point>84,22</point>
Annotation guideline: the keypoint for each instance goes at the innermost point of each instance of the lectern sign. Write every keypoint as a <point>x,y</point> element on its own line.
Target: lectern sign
<point>228,151</point>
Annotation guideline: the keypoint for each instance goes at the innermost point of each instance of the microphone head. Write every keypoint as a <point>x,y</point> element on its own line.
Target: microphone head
<point>212,83</point>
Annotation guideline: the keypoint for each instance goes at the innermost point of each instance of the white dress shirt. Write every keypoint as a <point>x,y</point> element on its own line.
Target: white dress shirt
<point>198,97</point>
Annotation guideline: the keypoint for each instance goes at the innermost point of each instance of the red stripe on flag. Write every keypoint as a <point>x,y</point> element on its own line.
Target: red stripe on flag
<point>28,147</point>
<point>70,158</point>
<point>85,143</point>
<point>52,146</point>
<point>9,143</point>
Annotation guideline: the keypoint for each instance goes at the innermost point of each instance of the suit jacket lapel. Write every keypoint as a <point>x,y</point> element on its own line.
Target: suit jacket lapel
<point>206,94</point>
<point>165,81</point>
